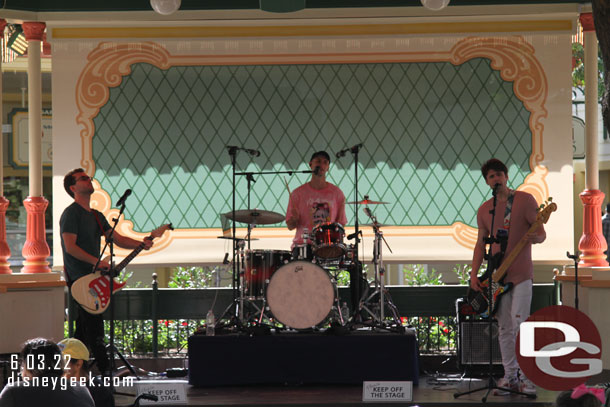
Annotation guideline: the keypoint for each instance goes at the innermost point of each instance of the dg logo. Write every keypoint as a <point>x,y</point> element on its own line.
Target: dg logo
<point>559,348</point>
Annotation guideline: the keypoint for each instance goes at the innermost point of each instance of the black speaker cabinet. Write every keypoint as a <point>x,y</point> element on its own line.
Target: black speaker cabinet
<point>473,343</point>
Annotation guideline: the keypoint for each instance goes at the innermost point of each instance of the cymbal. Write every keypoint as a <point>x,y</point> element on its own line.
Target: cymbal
<point>237,238</point>
<point>367,201</point>
<point>255,216</point>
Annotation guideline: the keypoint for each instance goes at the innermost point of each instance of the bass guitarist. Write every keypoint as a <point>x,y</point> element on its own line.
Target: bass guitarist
<point>81,229</point>
<point>515,212</point>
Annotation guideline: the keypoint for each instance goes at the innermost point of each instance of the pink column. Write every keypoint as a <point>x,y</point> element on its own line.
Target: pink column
<point>35,250</point>
<point>592,242</point>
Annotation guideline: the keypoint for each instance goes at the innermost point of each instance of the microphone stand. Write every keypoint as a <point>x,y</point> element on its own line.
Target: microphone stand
<point>493,261</point>
<point>237,302</point>
<point>575,258</point>
<point>356,274</point>
<point>111,348</point>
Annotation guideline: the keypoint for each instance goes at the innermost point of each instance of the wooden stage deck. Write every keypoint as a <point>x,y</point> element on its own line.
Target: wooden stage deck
<point>431,392</point>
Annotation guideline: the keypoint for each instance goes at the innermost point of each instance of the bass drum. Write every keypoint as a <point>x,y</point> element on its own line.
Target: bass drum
<point>301,294</point>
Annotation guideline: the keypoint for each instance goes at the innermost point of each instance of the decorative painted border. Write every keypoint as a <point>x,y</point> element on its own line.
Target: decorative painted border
<point>513,57</point>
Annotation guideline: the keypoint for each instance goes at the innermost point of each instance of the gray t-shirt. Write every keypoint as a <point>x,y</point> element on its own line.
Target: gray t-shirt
<point>77,220</point>
<point>18,395</point>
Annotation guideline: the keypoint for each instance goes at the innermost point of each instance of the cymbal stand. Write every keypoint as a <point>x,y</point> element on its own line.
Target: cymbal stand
<point>384,296</point>
<point>247,262</point>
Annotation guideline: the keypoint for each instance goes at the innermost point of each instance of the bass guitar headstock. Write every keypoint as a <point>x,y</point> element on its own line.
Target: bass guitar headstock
<point>545,210</point>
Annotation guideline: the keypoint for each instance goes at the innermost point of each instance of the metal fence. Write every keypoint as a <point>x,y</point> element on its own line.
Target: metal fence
<point>154,321</point>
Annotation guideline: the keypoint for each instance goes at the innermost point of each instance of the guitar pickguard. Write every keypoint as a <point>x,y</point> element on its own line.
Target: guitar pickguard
<point>100,288</point>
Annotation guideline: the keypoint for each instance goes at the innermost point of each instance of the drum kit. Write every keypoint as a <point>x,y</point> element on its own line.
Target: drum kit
<point>298,289</point>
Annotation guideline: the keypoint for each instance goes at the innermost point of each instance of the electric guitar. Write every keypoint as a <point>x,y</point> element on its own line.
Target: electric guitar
<point>92,291</point>
<point>478,299</point>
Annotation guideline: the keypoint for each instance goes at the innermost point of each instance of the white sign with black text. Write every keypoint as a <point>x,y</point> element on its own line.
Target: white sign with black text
<point>387,391</point>
<point>167,391</point>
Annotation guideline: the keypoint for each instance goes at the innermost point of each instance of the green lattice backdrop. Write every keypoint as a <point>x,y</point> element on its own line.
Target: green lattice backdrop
<point>426,129</point>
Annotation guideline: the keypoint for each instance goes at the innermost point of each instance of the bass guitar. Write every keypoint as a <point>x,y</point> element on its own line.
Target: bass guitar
<point>479,299</point>
<point>92,291</point>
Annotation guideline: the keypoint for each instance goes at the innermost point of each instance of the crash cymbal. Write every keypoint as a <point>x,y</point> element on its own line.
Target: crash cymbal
<point>255,216</point>
<point>367,201</point>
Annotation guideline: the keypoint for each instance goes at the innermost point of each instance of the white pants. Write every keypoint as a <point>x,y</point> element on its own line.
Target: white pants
<point>514,308</point>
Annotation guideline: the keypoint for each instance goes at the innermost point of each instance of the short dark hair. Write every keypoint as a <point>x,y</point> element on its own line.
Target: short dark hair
<point>493,164</point>
<point>320,154</point>
<point>608,207</point>
<point>69,180</point>
<point>46,354</point>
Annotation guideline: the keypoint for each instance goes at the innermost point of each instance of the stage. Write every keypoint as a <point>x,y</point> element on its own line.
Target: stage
<point>296,358</point>
<point>432,391</point>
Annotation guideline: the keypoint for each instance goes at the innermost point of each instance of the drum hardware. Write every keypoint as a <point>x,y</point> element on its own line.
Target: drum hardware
<point>252,218</point>
<point>384,300</point>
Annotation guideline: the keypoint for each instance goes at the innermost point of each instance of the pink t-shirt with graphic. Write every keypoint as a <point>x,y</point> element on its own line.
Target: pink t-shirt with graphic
<point>315,206</point>
<point>523,215</point>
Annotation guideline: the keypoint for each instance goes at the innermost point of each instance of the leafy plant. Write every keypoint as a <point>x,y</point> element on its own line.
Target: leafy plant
<point>417,274</point>
<point>578,69</point>
<point>193,277</point>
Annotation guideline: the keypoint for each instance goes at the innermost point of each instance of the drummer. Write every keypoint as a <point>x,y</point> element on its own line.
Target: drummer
<point>315,202</point>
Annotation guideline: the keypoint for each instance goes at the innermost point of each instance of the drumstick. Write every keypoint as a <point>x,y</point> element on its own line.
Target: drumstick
<point>287,187</point>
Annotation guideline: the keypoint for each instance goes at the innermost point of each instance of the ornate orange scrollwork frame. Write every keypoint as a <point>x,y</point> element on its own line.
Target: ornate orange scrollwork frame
<point>512,56</point>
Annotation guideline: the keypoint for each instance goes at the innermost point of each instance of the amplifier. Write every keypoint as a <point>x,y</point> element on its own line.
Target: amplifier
<point>473,343</point>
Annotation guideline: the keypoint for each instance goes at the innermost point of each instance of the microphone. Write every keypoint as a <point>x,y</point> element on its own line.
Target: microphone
<point>122,199</point>
<point>496,187</point>
<point>254,153</point>
<point>342,153</point>
<point>316,170</point>
<point>353,149</point>
<point>226,259</point>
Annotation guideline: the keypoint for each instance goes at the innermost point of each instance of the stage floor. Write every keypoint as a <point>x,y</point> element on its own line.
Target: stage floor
<point>431,391</point>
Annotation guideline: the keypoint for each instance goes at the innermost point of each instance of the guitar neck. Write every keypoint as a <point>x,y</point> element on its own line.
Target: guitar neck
<point>508,260</point>
<point>119,267</point>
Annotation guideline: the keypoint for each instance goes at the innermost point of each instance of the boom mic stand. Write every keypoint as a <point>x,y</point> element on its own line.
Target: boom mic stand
<point>356,273</point>
<point>493,261</point>
<point>236,306</point>
<point>111,348</point>
<point>575,258</point>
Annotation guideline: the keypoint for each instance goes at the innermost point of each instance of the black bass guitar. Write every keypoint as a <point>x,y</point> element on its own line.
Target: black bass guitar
<point>479,299</point>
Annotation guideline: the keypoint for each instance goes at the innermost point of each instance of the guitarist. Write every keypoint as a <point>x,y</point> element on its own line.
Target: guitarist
<point>514,306</point>
<point>81,229</point>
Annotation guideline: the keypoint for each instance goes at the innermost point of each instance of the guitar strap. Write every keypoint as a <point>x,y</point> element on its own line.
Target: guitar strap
<point>507,211</point>
<point>102,228</point>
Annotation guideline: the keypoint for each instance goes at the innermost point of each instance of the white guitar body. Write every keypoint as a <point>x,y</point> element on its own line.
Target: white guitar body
<point>92,291</point>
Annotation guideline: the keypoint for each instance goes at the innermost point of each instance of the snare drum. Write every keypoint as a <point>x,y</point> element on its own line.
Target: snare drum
<point>328,241</point>
<point>301,294</point>
<point>260,266</point>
